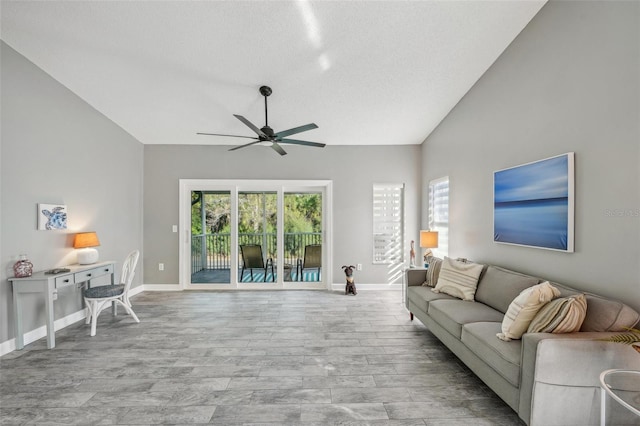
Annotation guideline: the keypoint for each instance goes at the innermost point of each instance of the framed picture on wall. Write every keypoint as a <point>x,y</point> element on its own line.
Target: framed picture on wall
<point>534,204</point>
<point>52,217</point>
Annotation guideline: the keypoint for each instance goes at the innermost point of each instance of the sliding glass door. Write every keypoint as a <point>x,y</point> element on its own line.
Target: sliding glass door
<point>254,234</point>
<point>257,236</point>
<point>210,236</point>
<point>303,236</point>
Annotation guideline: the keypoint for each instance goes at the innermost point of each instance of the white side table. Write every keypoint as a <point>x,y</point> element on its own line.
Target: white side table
<point>624,387</point>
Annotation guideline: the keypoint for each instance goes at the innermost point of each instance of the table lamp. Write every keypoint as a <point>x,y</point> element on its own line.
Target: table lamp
<point>428,240</point>
<point>85,241</point>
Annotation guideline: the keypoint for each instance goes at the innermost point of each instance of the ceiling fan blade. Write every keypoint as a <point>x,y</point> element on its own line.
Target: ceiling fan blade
<point>219,134</point>
<point>299,142</point>
<point>245,145</point>
<point>251,126</point>
<point>295,130</point>
<point>278,149</point>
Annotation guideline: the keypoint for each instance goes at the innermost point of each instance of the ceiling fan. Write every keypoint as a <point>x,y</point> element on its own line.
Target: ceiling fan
<point>266,134</point>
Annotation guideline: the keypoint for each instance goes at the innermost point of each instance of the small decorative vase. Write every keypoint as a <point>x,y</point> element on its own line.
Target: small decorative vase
<point>22,268</point>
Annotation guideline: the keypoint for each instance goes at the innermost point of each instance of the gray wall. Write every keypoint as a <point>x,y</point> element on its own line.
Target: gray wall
<point>569,82</point>
<point>58,149</point>
<point>353,169</point>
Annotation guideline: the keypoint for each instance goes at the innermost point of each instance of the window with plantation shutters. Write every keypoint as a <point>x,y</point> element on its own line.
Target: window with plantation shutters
<point>439,213</point>
<point>388,223</point>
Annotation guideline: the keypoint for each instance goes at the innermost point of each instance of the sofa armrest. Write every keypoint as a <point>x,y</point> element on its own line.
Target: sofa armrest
<point>415,276</point>
<point>560,376</point>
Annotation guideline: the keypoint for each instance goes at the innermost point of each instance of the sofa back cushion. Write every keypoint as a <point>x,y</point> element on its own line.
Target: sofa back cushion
<point>604,314</point>
<point>498,287</point>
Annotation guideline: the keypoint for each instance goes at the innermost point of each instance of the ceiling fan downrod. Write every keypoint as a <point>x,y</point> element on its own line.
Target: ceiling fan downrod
<point>265,91</point>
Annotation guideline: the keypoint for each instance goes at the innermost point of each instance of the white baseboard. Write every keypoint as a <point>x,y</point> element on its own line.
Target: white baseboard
<point>136,290</point>
<point>162,287</point>
<point>40,332</point>
<point>367,287</point>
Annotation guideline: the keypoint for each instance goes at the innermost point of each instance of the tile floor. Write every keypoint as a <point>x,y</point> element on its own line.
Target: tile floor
<point>248,358</point>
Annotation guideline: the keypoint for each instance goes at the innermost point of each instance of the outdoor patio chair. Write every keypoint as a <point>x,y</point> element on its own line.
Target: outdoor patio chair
<point>312,259</point>
<point>100,298</point>
<point>252,259</point>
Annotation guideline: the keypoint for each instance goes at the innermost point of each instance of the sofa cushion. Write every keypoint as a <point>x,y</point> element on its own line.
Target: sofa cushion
<point>498,287</point>
<point>603,314</point>
<point>453,314</point>
<point>524,308</point>
<point>421,296</point>
<point>458,278</point>
<point>503,357</point>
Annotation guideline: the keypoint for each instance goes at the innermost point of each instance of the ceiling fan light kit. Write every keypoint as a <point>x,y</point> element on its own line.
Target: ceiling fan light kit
<point>266,133</point>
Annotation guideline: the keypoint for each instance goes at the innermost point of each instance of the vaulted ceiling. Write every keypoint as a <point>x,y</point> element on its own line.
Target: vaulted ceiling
<point>366,72</point>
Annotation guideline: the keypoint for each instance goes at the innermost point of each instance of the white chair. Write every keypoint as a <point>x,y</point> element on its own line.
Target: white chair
<point>99,298</point>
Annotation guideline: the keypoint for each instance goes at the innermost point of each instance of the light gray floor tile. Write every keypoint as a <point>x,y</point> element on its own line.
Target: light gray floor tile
<point>292,396</point>
<point>408,422</point>
<point>269,358</point>
<point>447,393</point>
<point>338,382</point>
<point>46,399</point>
<point>279,413</point>
<point>360,369</point>
<point>295,370</point>
<point>199,385</point>
<point>166,415</point>
<point>129,399</point>
<point>195,397</point>
<point>256,383</point>
<point>364,395</point>
<point>433,410</point>
<point>416,380</point>
<point>331,413</point>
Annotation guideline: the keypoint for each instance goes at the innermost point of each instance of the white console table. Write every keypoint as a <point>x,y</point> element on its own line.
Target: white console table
<point>48,285</point>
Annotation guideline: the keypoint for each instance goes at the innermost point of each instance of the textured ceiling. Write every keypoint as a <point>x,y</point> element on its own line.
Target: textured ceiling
<point>366,72</point>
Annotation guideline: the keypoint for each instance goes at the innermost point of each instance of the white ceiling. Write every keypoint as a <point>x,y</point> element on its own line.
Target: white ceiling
<point>366,72</point>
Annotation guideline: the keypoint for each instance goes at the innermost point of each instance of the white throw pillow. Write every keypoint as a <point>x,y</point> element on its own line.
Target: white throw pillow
<point>458,278</point>
<point>524,308</point>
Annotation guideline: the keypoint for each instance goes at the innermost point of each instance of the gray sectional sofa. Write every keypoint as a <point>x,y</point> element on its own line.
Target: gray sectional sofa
<point>548,379</point>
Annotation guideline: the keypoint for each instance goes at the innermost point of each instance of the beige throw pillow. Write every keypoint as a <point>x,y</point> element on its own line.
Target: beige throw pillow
<point>433,271</point>
<point>524,308</point>
<point>564,315</point>
<point>458,278</point>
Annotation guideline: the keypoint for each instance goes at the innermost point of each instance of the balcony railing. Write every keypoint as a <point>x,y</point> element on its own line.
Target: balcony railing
<point>212,251</point>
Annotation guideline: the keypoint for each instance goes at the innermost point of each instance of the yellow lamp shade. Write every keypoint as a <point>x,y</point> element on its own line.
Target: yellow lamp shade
<point>428,239</point>
<point>86,239</point>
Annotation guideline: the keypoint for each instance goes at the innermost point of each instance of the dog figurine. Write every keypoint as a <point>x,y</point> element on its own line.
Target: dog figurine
<point>351,283</point>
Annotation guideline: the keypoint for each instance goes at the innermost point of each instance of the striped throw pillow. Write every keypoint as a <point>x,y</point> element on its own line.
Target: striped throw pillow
<point>564,315</point>
<point>458,279</point>
<point>433,271</point>
<point>524,308</point>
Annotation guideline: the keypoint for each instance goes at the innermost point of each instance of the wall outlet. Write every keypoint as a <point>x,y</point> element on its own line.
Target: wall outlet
<point>174,228</point>
<point>359,267</point>
<point>160,266</point>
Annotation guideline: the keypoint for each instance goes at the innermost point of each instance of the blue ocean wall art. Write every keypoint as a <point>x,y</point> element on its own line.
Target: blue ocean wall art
<point>534,204</point>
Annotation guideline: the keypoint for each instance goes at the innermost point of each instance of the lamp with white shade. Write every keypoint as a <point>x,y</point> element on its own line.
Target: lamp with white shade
<point>85,241</point>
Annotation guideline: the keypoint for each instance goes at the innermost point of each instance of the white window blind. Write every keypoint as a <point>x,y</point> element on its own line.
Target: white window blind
<point>388,223</point>
<point>439,213</point>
